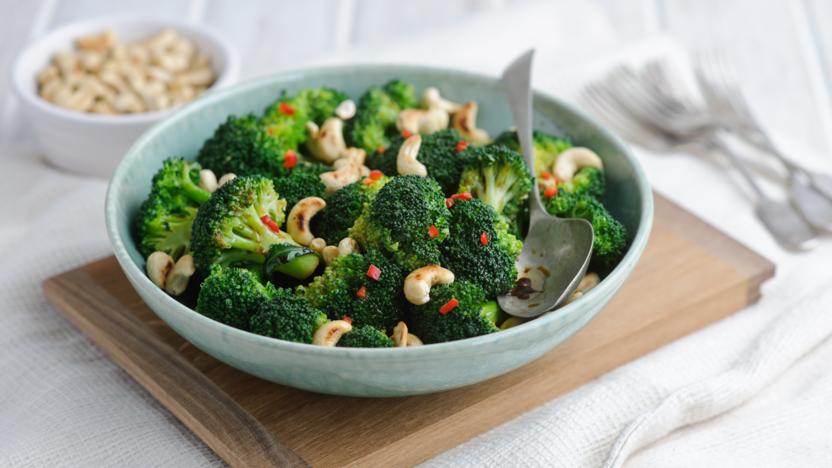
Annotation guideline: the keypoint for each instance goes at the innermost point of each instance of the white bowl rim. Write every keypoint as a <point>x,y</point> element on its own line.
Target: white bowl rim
<point>226,76</point>
<point>634,251</point>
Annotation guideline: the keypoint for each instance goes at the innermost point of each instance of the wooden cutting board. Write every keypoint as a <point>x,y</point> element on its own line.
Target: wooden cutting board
<point>690,275</point>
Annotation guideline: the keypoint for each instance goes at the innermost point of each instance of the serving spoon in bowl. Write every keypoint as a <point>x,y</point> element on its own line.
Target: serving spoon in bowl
<point>558,248</point>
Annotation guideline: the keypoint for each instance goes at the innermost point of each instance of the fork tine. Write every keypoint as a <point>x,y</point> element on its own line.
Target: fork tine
<point>719,77</point>
<point>595,95</point>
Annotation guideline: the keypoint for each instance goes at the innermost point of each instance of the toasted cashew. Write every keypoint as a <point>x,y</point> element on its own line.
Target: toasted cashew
<point>433,100</point>
<point>350,156</point>
<point>345,110</point>
<point>511,322</point>
<point>326,143</point>
<point>347,246</point>
<point>329,253</point>
<point>413,340</point>
<point>570,161</point>
<point>465,120</point>
<point>297,224</point>
<point>329,333</point>
<point>400,335</point>
<point>340,177</point>
<point>177,281</point>
<point>317,245</point>
<point>226,178</point>
<point>406,162</point>
<point>424,121</point>
<point>418,283</point>
<point>207,180</point>
<point>589,281</point>
<point>158,266</point>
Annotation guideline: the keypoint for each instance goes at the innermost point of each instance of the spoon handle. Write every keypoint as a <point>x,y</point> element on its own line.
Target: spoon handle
<point>516,80</point>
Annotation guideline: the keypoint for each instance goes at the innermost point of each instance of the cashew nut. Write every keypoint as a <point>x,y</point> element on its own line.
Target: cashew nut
<point>329,333</point>
<point>158,266</point>
<point>347,246</point>
<point>400,335</point>
<point>573,159</point>
<point>226,178</point>
<point>340,177</point>
<point>465,120</point>
<point>433,100</point>
<point>329,253</point>
<point>350,156</point>
<point>424,121</point>
<point>511,322</point>
<point>345,110</point>
<point>317,245</point>
<point>406,162</point>
<point>207,180</point>
<point>413,340</point>
<point>418,283</point>
<point>589,281</point>
<point>177,281</point>
<point>326,143</point>
<point>297,224</point>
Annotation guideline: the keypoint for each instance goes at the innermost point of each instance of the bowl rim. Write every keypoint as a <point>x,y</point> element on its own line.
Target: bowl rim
<point>606,286</point>
<point>20,83</point>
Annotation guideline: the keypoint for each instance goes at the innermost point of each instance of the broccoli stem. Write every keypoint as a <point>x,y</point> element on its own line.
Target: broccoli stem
<point>192,190</point>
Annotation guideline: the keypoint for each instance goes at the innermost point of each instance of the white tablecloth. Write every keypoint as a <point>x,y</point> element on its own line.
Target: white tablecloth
<point>751,390</point>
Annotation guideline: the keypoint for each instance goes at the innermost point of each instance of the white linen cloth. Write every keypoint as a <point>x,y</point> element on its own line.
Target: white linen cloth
<point>751,390</point>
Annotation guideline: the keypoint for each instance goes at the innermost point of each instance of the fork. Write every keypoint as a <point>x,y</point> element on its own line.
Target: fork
<point>675,122</point>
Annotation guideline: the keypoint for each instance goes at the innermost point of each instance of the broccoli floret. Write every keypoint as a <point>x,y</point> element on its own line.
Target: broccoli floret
<point>546,147</point>
<point>287,316</point>
<point>581,198</point>
<point>479,250</point>
<point>343,208</point>
<point>232,295</point>
<point>238,225</point>
<point>241,145</point>
<point>365,336</point>
<point>438,152</point>
<point>375,119</point>
<point>473,316</point>
<point>286,118</point>
<point>301,182</point>
<point>408,219</point>
<point>499,177</point>
<point>339,290</point>
<point>165,218</point>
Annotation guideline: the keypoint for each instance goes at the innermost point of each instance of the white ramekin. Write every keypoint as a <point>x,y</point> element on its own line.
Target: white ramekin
<point>93,143</point>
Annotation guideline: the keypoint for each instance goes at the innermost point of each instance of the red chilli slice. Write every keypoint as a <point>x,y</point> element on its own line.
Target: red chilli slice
<point>367,181</point>
<point>550,192</point>
<point>406,134</point>
<point>449,306</point>
<point>374,272</point>
<point>290,159</point>
<point>347,319</point>
<point>433,232</point>
<point>380,149</point>
<point>546,175</point>
<point>461,146</point>
<point>462,196</point>
<point>484,238</point>
<point>361,293</point>
<point>449,202</point>
<point>376,174</point>
<point>269,222</point>
<point>286,109</point>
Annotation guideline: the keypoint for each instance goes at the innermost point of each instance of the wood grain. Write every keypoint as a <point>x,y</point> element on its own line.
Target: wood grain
<point>690,275</point>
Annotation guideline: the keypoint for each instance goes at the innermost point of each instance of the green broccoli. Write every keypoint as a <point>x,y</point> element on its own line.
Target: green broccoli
<point>546,147</point>
<point>164,220</point>
<point>287,316</point>
<point>286,118</point>
<point>239,225</point>
<point>499,177</point>
<point>365,336</point>
<point>347,288</point>
<point>343,208</point>
<point>375,119</point>
<point>438,152</point>
<point>241,145</point>
<point>479,249</point>
<point>232,295</point>
<point>408,219</point>
<point>580,198</point>
<point>301,182</point>
<point>455,311</point>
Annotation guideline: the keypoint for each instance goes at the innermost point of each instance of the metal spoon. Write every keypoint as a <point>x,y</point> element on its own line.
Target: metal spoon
<point>559,248</point>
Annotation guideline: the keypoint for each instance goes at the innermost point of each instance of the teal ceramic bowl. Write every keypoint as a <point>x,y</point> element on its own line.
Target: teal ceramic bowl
<point>374,372</point>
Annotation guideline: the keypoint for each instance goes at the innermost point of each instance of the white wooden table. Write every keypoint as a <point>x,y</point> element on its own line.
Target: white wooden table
<point>782,48</point>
